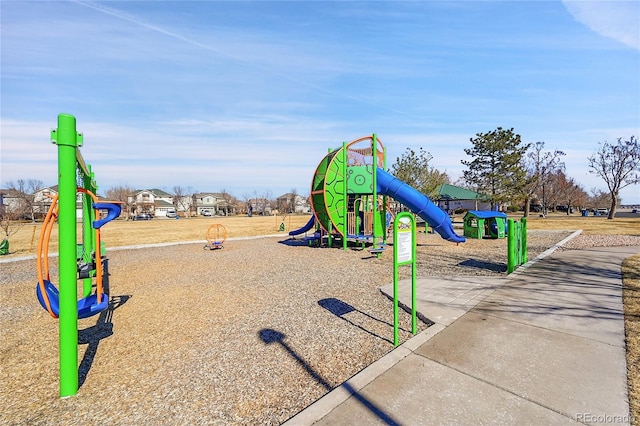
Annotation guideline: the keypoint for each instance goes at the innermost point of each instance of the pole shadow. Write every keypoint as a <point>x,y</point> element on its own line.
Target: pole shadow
<point>339,308</point>
<point>269,336</point>
<point>101,330</point>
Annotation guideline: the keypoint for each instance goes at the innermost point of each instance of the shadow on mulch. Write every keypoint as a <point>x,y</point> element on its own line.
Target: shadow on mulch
<point>270,336</point>
<point>93,335</point>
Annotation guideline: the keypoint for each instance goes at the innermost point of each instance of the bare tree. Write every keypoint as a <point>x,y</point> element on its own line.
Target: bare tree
<point>293,200</point>
<point>568,192</point>
<point>24,190</point>
<point>286,205</point>
<point>9,224</point>
<point>122,194</point>
<point>247,201</point>
<point>618,165</point>
<point>229,200</point>
<point>598,198</point>
<point>539,165</point>
<point>267,201</point>
<point>183,199</point>
<point>555,183</point>
<point>580,197</point>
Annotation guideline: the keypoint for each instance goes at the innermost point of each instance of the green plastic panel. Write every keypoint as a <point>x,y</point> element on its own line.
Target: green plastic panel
<point>360,179</point>
<point>317,192</point>
<point>334,188</point>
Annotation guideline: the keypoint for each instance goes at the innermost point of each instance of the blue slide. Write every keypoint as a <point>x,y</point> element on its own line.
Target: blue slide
<point>307,227</point>
<point>419,204</point>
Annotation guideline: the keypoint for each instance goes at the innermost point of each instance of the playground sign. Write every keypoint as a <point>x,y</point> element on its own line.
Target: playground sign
<point>404,240</point>
<point>404,252</point>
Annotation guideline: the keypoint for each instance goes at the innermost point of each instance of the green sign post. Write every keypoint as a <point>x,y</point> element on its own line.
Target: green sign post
<point>404,252</point>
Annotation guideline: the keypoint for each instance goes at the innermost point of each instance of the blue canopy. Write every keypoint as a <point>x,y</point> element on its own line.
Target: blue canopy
<point>486,214</point>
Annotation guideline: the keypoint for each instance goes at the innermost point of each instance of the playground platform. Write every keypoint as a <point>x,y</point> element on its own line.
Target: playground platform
<point>544,345</point>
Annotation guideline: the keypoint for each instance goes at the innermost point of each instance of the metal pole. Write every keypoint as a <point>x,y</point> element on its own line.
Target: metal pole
<point>414,301</point>
<point>345,196</point>
<point>88,242</point>
<point>511,246</point>
<point>67,139</point>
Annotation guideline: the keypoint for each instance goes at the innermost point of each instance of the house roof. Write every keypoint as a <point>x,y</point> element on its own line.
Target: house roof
<point>157,192</point>
<point>162,203</point>
<point>10,193</point>
<point>452,192</point>
<point>204,194</point>
<point>287,195</point>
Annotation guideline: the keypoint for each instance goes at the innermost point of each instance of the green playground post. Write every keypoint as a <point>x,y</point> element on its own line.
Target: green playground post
<point>88,242</point>
<point>404,252</point>
<point>67,139</point>
<point>345,195</point>
<point>516,244</point>
<point>374,179</point>
<point>525,256</point>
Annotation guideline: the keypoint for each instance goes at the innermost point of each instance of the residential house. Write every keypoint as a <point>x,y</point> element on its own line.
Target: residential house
<point>214,204</point>
<point>184,204</point>
<point>259,206</point>
<point>452,198</point>
<point>43,198</point>
<point>292,203</point>
<point>155,202</point>
<point>11,201</point>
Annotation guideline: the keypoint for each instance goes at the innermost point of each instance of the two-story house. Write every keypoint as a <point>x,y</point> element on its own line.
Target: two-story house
<point>43,197</point>
<point>155,202</point>
<point>213,204</point>
<point>292,203</point>
<point>12,203</point>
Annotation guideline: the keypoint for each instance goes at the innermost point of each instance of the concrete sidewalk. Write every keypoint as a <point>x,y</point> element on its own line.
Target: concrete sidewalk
<point>543,346</point>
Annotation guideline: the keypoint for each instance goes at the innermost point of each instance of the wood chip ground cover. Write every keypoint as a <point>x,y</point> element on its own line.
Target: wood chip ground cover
<point>250,334</point>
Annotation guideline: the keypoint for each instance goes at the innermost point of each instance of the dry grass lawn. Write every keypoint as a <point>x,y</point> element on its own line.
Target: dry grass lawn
<point>128,233</point>
<point>631,298</point>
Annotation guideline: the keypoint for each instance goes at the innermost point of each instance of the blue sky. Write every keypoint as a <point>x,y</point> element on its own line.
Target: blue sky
<point>248,96</point>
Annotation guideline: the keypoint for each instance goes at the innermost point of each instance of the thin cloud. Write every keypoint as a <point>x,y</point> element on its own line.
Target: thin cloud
<point>618,20</point>
<point>248,63</point>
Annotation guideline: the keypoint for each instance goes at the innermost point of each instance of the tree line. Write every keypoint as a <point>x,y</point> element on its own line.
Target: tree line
<point>512,174</point>
<point>507,171</point>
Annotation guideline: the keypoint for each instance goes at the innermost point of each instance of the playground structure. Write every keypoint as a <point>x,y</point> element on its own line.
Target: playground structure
<point>75,260</point>
<point>89,261</point>
<point>481,223</point>
<point>315,238</point>
<point>216,236</point>
<point>349,193</point>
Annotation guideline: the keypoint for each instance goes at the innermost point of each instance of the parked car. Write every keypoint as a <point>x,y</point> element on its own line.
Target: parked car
<point>143,216</point>
<point>602,212</point>
<point>206,213</point>
<point>171,213</point>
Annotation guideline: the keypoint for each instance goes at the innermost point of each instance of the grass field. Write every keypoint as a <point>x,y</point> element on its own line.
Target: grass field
<point>128,233</point>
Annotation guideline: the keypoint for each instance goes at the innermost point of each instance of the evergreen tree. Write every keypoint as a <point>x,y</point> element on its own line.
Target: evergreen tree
<point>496,169</point>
